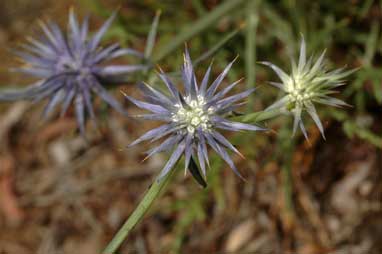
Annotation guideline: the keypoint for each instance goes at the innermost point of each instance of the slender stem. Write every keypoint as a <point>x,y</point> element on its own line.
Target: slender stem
<point>151,194</point>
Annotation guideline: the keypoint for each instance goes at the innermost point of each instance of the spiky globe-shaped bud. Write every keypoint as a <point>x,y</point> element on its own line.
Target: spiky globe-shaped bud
<point>71,67</point>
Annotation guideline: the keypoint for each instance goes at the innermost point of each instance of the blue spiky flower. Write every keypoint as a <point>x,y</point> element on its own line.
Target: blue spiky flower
<point>69,68</point>
<point>310,82</point>
<point>193,118</point>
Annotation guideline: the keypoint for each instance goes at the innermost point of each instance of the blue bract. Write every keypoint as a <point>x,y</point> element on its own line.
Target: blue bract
<point>69,68</point>
<point>193,118</point>
<point>310,82</point>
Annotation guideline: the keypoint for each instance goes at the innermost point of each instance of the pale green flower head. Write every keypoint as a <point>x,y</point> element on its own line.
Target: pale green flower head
<point>310,82</point>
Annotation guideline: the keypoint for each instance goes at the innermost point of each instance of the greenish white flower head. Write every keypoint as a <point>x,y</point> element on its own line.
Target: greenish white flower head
<point>310,82</point>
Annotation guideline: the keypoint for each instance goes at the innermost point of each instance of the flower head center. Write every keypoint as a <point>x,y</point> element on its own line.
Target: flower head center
<point>194,115</point>
<point>299,97</point>
<point>73,64</point>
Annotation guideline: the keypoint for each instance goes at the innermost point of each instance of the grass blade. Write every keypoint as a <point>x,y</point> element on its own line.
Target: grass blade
<point>216,47</point>
<point>197,27</point>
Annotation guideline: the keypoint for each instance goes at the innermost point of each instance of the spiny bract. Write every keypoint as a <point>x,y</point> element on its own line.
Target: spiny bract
<point>193,118</point>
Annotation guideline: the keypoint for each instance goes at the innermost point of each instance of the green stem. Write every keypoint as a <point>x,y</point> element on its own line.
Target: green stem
<point>197,27</point>
<point>250,45</point>
<point>151,194</point>
<point>258,116</point>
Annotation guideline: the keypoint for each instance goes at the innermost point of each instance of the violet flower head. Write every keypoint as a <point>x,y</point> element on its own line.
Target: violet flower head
<point>310,82</point>
<point>69,68</point>
<point>192,118</point>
